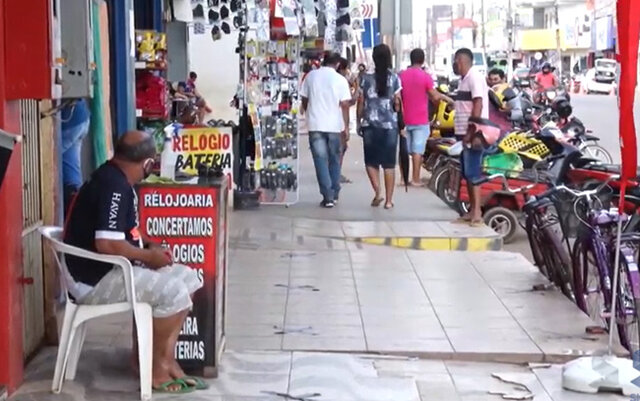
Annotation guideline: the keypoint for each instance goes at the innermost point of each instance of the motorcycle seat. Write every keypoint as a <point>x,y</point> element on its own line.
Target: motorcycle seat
<point>591,138</point>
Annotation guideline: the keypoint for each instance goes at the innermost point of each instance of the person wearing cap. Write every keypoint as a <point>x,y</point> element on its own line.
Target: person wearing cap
<point>472,101</point>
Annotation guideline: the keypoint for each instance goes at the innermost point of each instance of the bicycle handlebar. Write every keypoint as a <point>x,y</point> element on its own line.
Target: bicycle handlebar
<point>580,194</point>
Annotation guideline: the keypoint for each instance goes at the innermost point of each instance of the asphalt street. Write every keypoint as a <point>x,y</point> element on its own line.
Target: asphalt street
<point>599,113</point>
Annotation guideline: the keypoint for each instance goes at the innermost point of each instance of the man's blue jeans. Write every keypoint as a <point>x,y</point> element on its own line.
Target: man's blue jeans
<point>71,146</point>
<point>326,148</point>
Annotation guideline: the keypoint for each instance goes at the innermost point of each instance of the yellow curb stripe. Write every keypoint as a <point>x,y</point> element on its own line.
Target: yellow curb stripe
<point>433,244</point>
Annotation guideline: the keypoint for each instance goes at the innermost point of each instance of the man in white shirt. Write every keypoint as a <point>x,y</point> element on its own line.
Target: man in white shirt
<point>326,99</point>
<point>472,100</point>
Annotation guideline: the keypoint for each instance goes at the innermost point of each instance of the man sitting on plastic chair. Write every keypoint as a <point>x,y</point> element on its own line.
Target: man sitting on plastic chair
<point>104,219</point>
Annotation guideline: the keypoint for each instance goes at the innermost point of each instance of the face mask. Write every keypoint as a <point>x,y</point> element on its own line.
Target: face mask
<point>546,71</point>
<point>147,167</point>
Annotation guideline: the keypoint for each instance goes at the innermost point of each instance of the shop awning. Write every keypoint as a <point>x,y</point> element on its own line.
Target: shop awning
<point>539,39</point>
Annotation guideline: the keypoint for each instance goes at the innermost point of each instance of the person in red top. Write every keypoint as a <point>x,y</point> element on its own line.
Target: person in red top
<point>417,89</point>
<point>546,79</point>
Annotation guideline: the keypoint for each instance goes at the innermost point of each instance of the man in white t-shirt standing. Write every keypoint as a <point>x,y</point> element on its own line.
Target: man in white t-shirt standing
<point>472,100</point>
<point>326,99</point>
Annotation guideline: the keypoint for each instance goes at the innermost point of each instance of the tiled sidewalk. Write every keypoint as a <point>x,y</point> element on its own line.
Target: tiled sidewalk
<point>466,306</point>
<point>261,376</point>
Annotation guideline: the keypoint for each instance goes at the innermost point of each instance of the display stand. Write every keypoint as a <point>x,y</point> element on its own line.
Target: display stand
<point>271,77</point>
<point>192,221</point>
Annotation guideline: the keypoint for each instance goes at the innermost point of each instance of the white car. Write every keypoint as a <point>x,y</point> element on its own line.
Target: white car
<point>602,78</point>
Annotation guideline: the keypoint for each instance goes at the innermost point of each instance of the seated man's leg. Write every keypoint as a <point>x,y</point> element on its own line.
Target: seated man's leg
<point>168,291</point>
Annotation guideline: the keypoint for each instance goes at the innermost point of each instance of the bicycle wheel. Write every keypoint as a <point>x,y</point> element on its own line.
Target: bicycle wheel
<point>597,152</point>
<point>591,295</point>
<point>558,260</point>
<point>536,244</point>
<point>628,315</point>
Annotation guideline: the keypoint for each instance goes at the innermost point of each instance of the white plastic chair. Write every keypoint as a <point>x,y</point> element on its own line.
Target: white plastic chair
<point>77,315</point>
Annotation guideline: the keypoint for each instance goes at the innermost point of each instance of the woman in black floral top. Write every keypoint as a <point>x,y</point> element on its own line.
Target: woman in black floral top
<point>379,100</point>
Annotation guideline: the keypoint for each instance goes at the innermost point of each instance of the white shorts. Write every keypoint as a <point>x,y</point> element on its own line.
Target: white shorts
<point>167,290</point>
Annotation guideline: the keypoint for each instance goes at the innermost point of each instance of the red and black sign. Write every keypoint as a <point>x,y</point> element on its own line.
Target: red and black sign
<point>191,221</point>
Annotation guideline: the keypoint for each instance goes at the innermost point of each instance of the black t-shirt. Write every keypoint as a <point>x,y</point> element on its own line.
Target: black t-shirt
<point>105,208</point>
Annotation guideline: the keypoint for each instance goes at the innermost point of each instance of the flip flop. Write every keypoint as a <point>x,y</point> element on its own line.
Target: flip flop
<point>389,206</point>
<point>476,223</point>
<point>461,220</point>
<point>164,387</point>
<point>195,382</point>
<point>376,202</point>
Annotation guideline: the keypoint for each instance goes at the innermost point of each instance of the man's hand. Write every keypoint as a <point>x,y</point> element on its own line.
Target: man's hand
<point>449,101</point>
<point>403,133</point>
<point>158,258</point>
<point>345,135</point>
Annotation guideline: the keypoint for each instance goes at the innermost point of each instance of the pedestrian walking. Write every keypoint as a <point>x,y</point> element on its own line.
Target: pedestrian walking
<point>344,68</point>
<point>377,112</point>
<point>472,102</point>
<point>326,100</point>
<point>417,88</point>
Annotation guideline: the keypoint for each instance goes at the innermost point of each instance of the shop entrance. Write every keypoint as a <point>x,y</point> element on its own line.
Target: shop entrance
<point>32,278</point>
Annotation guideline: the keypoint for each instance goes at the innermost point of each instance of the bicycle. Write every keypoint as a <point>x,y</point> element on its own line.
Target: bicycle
<point>545,234</point>
<point>593,255</point>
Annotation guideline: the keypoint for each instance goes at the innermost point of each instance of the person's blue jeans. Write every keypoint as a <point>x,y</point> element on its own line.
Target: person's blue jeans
<point>326,149</point>
<point>71,147</point>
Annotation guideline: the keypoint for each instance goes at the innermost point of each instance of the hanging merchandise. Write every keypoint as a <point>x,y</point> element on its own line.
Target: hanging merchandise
<point>310,18</point>
<point>357,23</point>
<point>331,16</point>
<point>270,70</point>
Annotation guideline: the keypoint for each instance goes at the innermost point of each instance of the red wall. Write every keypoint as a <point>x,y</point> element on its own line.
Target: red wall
<point>11,362</point>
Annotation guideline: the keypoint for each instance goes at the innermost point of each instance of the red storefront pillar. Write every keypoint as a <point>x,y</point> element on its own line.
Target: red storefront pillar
<point>11,362</point>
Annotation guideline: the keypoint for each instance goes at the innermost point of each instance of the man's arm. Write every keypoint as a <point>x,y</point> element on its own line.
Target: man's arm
<point>437,97</point>
<point>476,111</point>
<point>346,101</point>
<point>114,205</point>
<point>345,105</point>
<point>154,257</point>
<point>305,104</point>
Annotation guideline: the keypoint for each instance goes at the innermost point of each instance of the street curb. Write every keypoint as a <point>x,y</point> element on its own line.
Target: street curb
<point>479,357</point>
<point>433,243</point>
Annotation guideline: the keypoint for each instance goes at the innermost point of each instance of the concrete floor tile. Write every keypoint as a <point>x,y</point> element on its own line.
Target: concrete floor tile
<point>296,342</point>
<point>341,319</point>
<point>385,344</point>
<point>249,343</point>
<point>448,273</point>
<point>410,367</point>
<point>331,309</point>
<point>366,229</point>
<point>436,387</point>
<point>432,331</point>
<point>255,317</point>
<point>416,229</point>
<point>253,330</point>
<point>351,378</point>
<point>256,362</point>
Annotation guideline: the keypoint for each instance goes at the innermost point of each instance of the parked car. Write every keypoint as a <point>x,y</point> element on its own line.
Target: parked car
<point>522,78</point>
<point>602,78</point>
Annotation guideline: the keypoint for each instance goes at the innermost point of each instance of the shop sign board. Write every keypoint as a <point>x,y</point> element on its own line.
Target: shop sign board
<point>604,33</point>
<point>212,146</point>
<point>189,220</point>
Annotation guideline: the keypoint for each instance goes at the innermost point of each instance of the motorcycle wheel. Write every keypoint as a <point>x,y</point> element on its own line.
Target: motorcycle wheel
<point>503,221</point>
<point>595,151</point>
